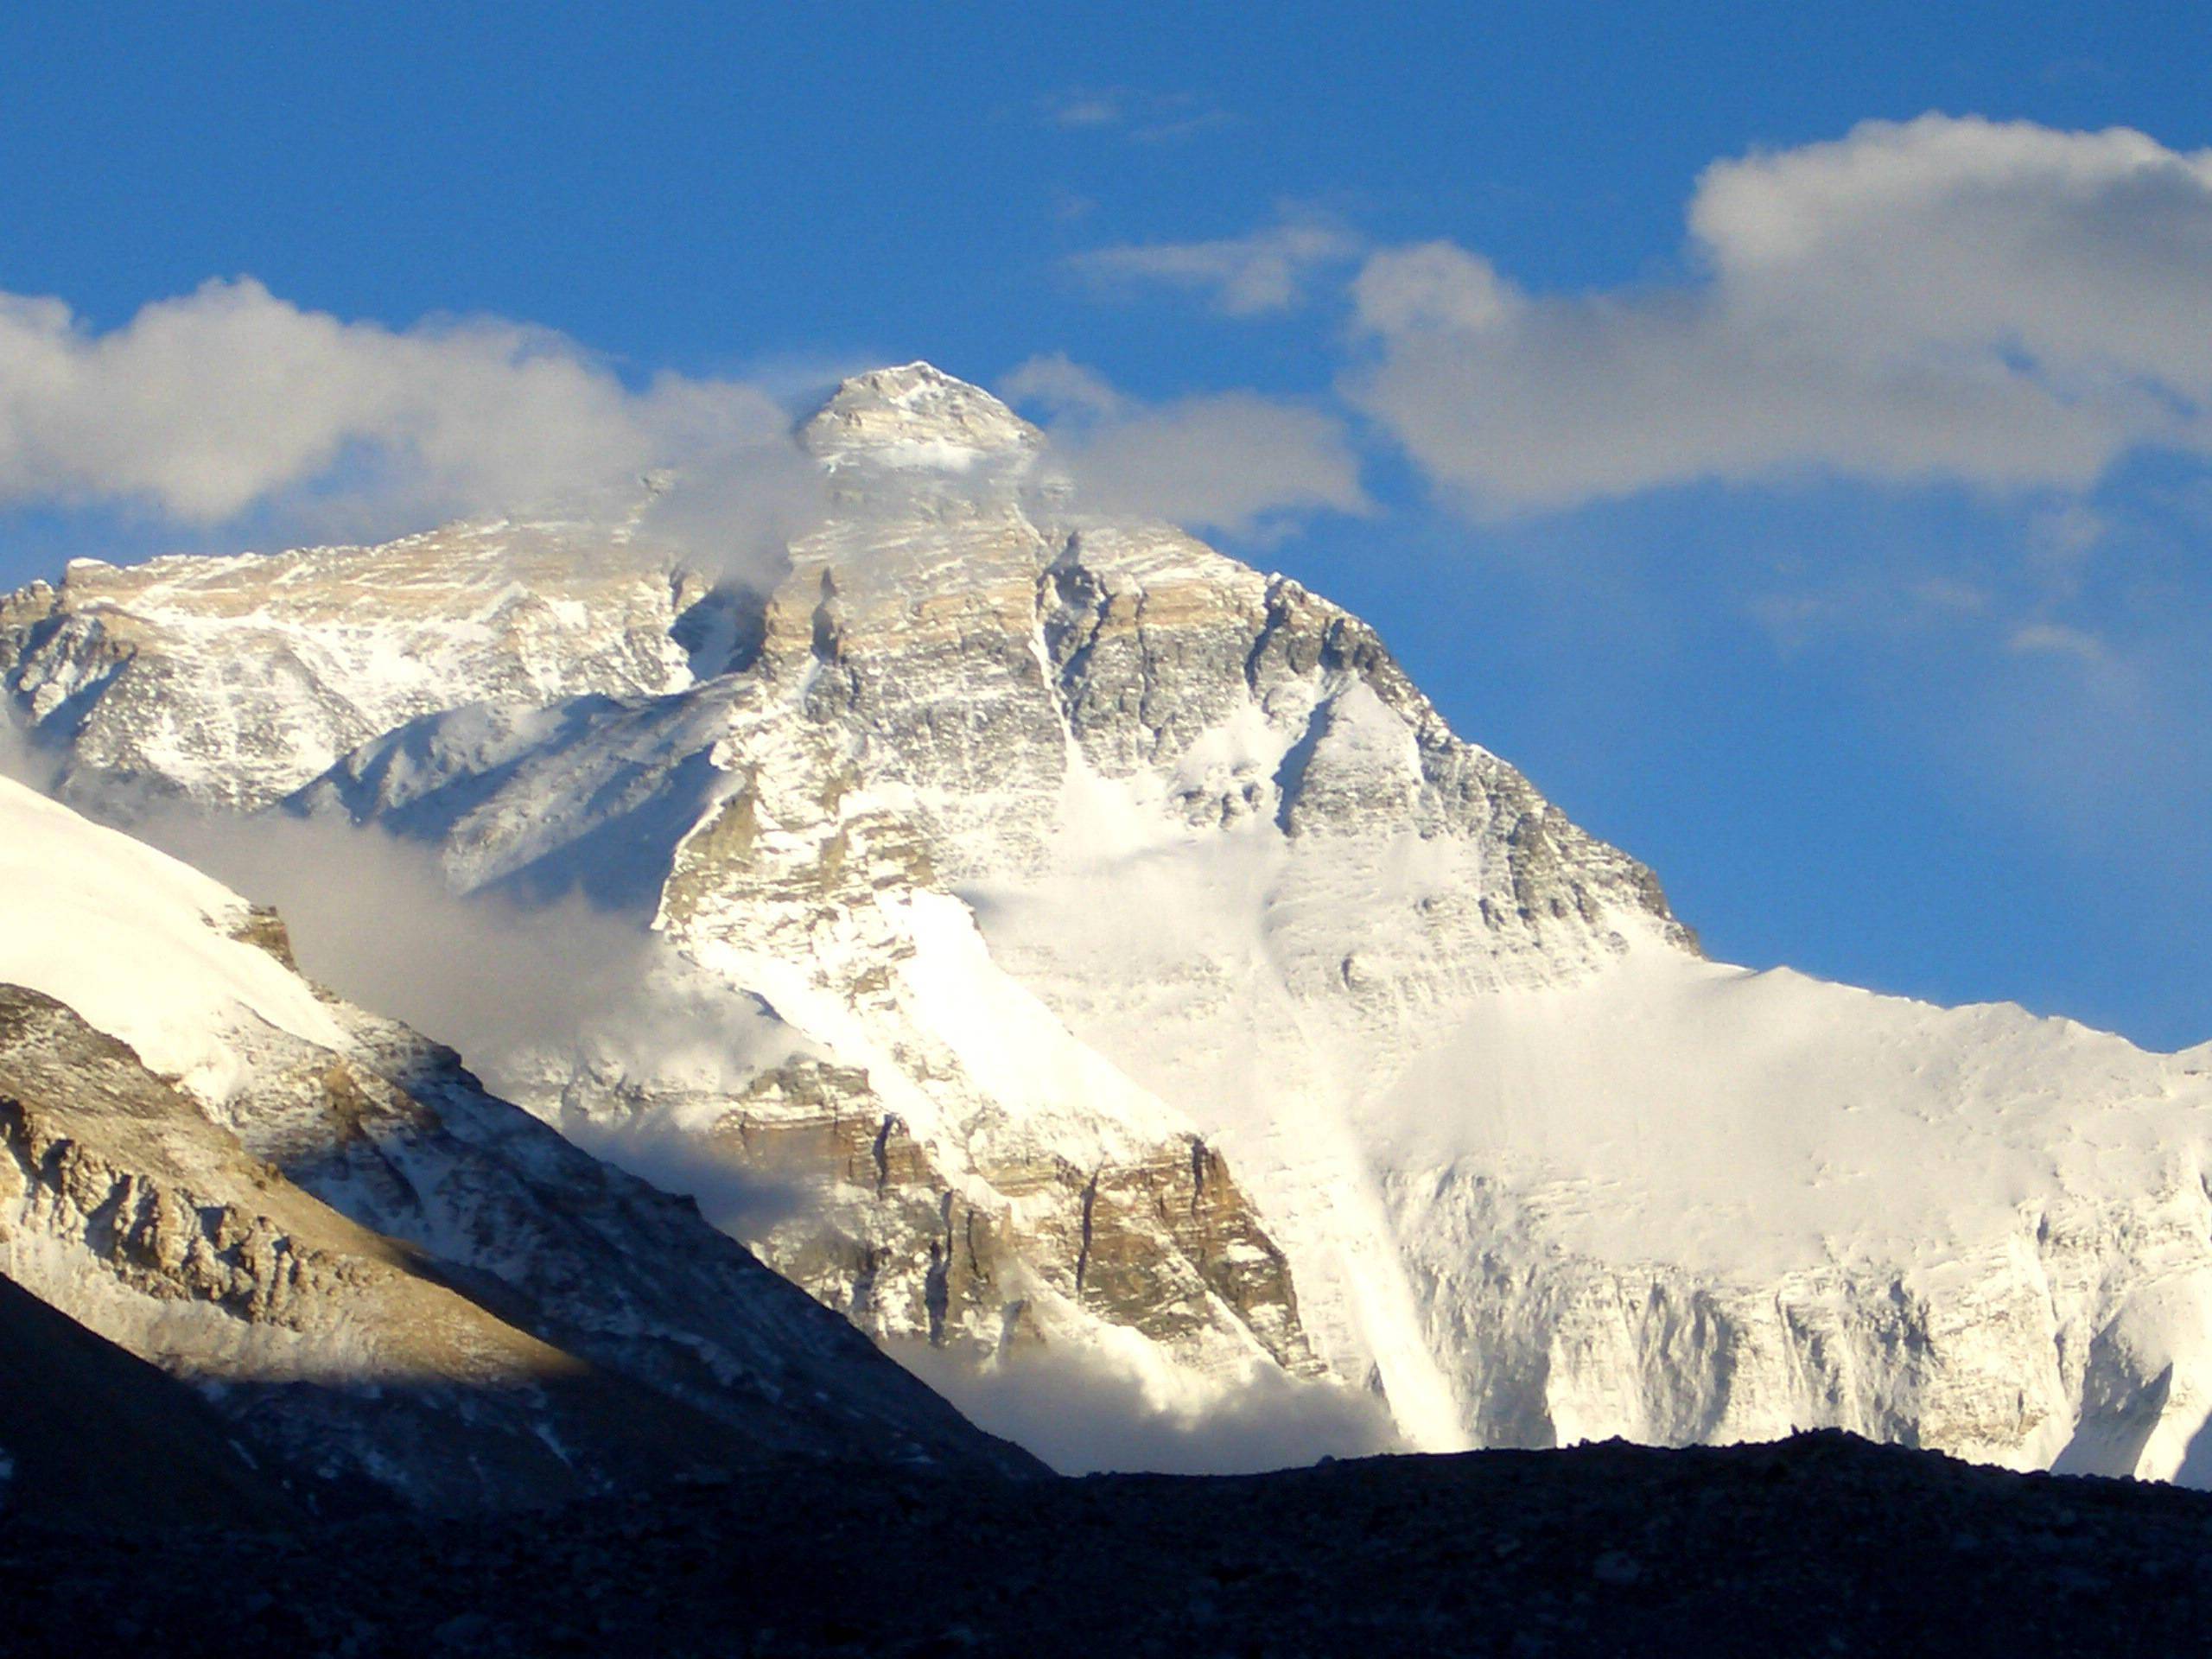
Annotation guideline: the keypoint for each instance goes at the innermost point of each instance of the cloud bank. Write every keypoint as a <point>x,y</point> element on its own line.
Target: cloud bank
<point>1943,300</point>
<point>229,400</point>
<point>230,407</point>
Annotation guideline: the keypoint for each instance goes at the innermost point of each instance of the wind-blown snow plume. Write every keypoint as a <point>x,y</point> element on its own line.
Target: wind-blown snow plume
<point>1082,1412</point>
<point>19,760</point>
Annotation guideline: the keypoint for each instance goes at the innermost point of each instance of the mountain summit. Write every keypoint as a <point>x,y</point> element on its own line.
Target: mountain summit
<point>1153,979</point>
<point>917,415</point>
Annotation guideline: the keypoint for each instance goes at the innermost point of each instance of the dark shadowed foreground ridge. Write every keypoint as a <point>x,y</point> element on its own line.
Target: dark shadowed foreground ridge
<point>1821,1544</point>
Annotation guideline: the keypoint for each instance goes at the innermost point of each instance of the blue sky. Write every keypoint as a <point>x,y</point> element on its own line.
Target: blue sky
<point>1884,643</point>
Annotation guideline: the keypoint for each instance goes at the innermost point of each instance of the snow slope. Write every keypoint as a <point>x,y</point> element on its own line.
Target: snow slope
<point>188,979</point>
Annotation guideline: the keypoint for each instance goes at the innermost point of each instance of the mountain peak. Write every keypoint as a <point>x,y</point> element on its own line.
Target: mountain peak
<point>915,416</point>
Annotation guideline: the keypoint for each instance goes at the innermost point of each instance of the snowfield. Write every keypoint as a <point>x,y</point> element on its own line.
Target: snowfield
<point>140,945</point>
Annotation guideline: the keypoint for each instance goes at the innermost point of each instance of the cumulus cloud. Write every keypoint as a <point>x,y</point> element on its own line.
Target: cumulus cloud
<point>230,400</point>
<point>1082,1414</point>
<point>2001,304</point>
<point>1270,270</point>
<point>1230,462</point>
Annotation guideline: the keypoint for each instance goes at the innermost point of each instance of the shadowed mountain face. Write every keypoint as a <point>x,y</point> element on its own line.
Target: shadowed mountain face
<point>93,1436</point>
<point>387,1285</point>
<point>1140,971</point>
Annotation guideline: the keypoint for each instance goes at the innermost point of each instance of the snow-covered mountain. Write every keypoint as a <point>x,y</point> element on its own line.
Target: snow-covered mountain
<point>380,1275</point>
<point>1151,975</point>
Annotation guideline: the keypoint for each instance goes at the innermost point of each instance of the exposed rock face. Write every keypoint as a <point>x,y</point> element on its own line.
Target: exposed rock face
<point>1163,1246</point>
<point>130,1211</point>
<point>1156,972</point>
<point>386,1279</point>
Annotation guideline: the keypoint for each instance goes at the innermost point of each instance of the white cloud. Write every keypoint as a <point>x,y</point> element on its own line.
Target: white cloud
<point>229,400</point>
<point>1078,108</point>
<point>1143,118</point>
<point>1246,276</point>
<point>1063,387</point>
<point>2065,532</point>
<point>1230,462</point>
<point>2057,640</point>
<point>1945,299</point>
